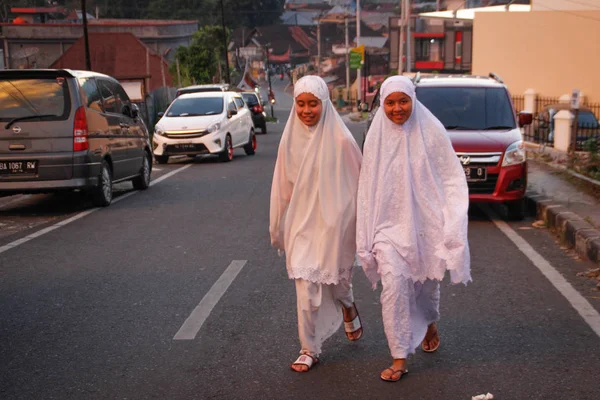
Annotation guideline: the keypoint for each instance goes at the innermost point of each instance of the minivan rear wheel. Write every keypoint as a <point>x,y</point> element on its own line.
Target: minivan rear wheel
<point>103,193</point>
<point>142,182</point>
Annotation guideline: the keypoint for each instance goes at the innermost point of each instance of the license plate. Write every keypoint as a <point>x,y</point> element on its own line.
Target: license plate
<point>21,167</point>
<point>186,147</point>
<point>475,174</point>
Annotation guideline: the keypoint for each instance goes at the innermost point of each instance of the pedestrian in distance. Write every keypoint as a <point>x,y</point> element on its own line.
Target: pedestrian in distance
<point>412,219</point>
<point>313,217</point>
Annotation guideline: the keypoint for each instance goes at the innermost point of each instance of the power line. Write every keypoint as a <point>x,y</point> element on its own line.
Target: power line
<point>583,3</point>
<point>573,13</point>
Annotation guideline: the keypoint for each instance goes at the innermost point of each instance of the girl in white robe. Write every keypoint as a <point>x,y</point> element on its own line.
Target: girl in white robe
<point>412,219</point>
<point>313,216</point>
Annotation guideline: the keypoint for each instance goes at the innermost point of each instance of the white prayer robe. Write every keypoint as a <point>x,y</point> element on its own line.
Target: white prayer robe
<point>412,217</point>
<point>313,214</point>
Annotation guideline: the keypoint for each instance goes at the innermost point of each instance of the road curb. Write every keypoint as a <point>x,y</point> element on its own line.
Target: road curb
<point>572,230</point>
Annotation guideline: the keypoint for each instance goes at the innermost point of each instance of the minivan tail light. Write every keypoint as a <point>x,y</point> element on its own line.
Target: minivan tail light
<point>80,131</point>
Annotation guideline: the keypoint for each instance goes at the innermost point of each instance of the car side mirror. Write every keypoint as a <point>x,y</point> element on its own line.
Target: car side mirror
<point>231,113</point>
<point>525,118</point>
<point>161,114</point>
<point>135,111</point>
<point>126,110</point>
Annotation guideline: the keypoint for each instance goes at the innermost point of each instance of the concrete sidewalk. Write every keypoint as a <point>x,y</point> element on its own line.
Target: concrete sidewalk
<point>568,204</point>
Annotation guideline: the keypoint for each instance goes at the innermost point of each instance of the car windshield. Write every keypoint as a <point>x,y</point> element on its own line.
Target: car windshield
<point>193,107</point>
<point>28,98</point>
<point>587,119</point>
<point>469,108</point>
<point>250,99</point>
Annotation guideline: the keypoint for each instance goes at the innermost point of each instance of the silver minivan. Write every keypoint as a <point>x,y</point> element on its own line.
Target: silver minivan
<point>65,130</point>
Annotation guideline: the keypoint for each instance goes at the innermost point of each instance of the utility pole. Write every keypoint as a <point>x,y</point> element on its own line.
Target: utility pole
<point>319,46</point>
<point>227,76</point>
<point>401,38</point>
<point>347,59</point>
<point>408,38</point>
<point>88,60</point>
<point>358,72</point>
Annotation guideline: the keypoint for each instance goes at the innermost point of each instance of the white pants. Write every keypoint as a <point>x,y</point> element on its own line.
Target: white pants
<point>320,312</point>
<point>408,308</point>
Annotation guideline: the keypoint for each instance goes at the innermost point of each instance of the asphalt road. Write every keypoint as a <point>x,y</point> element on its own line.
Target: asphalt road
<point>91,306</point>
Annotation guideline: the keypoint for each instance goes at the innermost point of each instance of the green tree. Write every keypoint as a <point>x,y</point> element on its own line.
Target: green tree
<point>200,61</point>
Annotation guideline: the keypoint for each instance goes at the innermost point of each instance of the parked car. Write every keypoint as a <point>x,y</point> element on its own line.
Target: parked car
<point>204,123</point>
<point>65,130</point>
<point>588,126</point>
<point>219,87</point>
<point>259,117</point>
<point>485,132</point>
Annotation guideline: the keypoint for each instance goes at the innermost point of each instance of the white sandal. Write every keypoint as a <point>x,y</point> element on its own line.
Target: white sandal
<point>353,326</point>
<point>306,359</point>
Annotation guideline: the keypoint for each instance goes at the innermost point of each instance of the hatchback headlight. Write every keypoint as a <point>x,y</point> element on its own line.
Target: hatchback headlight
<point>213,128</point>
<point>515,154</point>
<point>158,131</point>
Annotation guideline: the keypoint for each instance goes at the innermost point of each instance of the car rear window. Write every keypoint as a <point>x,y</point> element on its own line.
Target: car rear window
<point>469,108</point>
<point>191,107</point>
<point>587,119</point>
<point>250,99</point>
<point>23,98</point>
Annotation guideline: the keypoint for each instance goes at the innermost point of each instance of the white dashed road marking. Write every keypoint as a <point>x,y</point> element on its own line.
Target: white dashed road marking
<point>194,322</point>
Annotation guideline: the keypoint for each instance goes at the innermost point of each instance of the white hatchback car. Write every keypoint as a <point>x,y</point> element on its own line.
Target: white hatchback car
<point>204,123</point>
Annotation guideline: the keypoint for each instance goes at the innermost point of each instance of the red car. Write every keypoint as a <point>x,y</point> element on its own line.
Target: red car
<point>485,132</point>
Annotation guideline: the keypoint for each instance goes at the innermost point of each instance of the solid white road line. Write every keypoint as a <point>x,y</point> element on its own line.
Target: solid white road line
<point>170,174</point>
<point>74,218</point>
<point>581,305</point>
<point>194,322</point>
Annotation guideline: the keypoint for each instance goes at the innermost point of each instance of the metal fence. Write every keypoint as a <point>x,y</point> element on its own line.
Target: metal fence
<point>542,102</point>
<point>158,101</point>
<point>519,102</point>
<point>587,131</point>
<point>541,131</point>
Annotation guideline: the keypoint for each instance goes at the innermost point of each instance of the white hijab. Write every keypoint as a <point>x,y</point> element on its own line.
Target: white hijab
<point>413,197</point>
<point>313,197</point>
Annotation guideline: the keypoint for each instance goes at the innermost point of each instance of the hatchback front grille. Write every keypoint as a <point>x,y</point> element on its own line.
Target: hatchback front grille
<point>185,135</point>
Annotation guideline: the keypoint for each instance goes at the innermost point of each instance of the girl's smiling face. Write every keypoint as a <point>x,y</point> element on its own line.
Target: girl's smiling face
<point>398,107</point>
<point>309,109</point>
